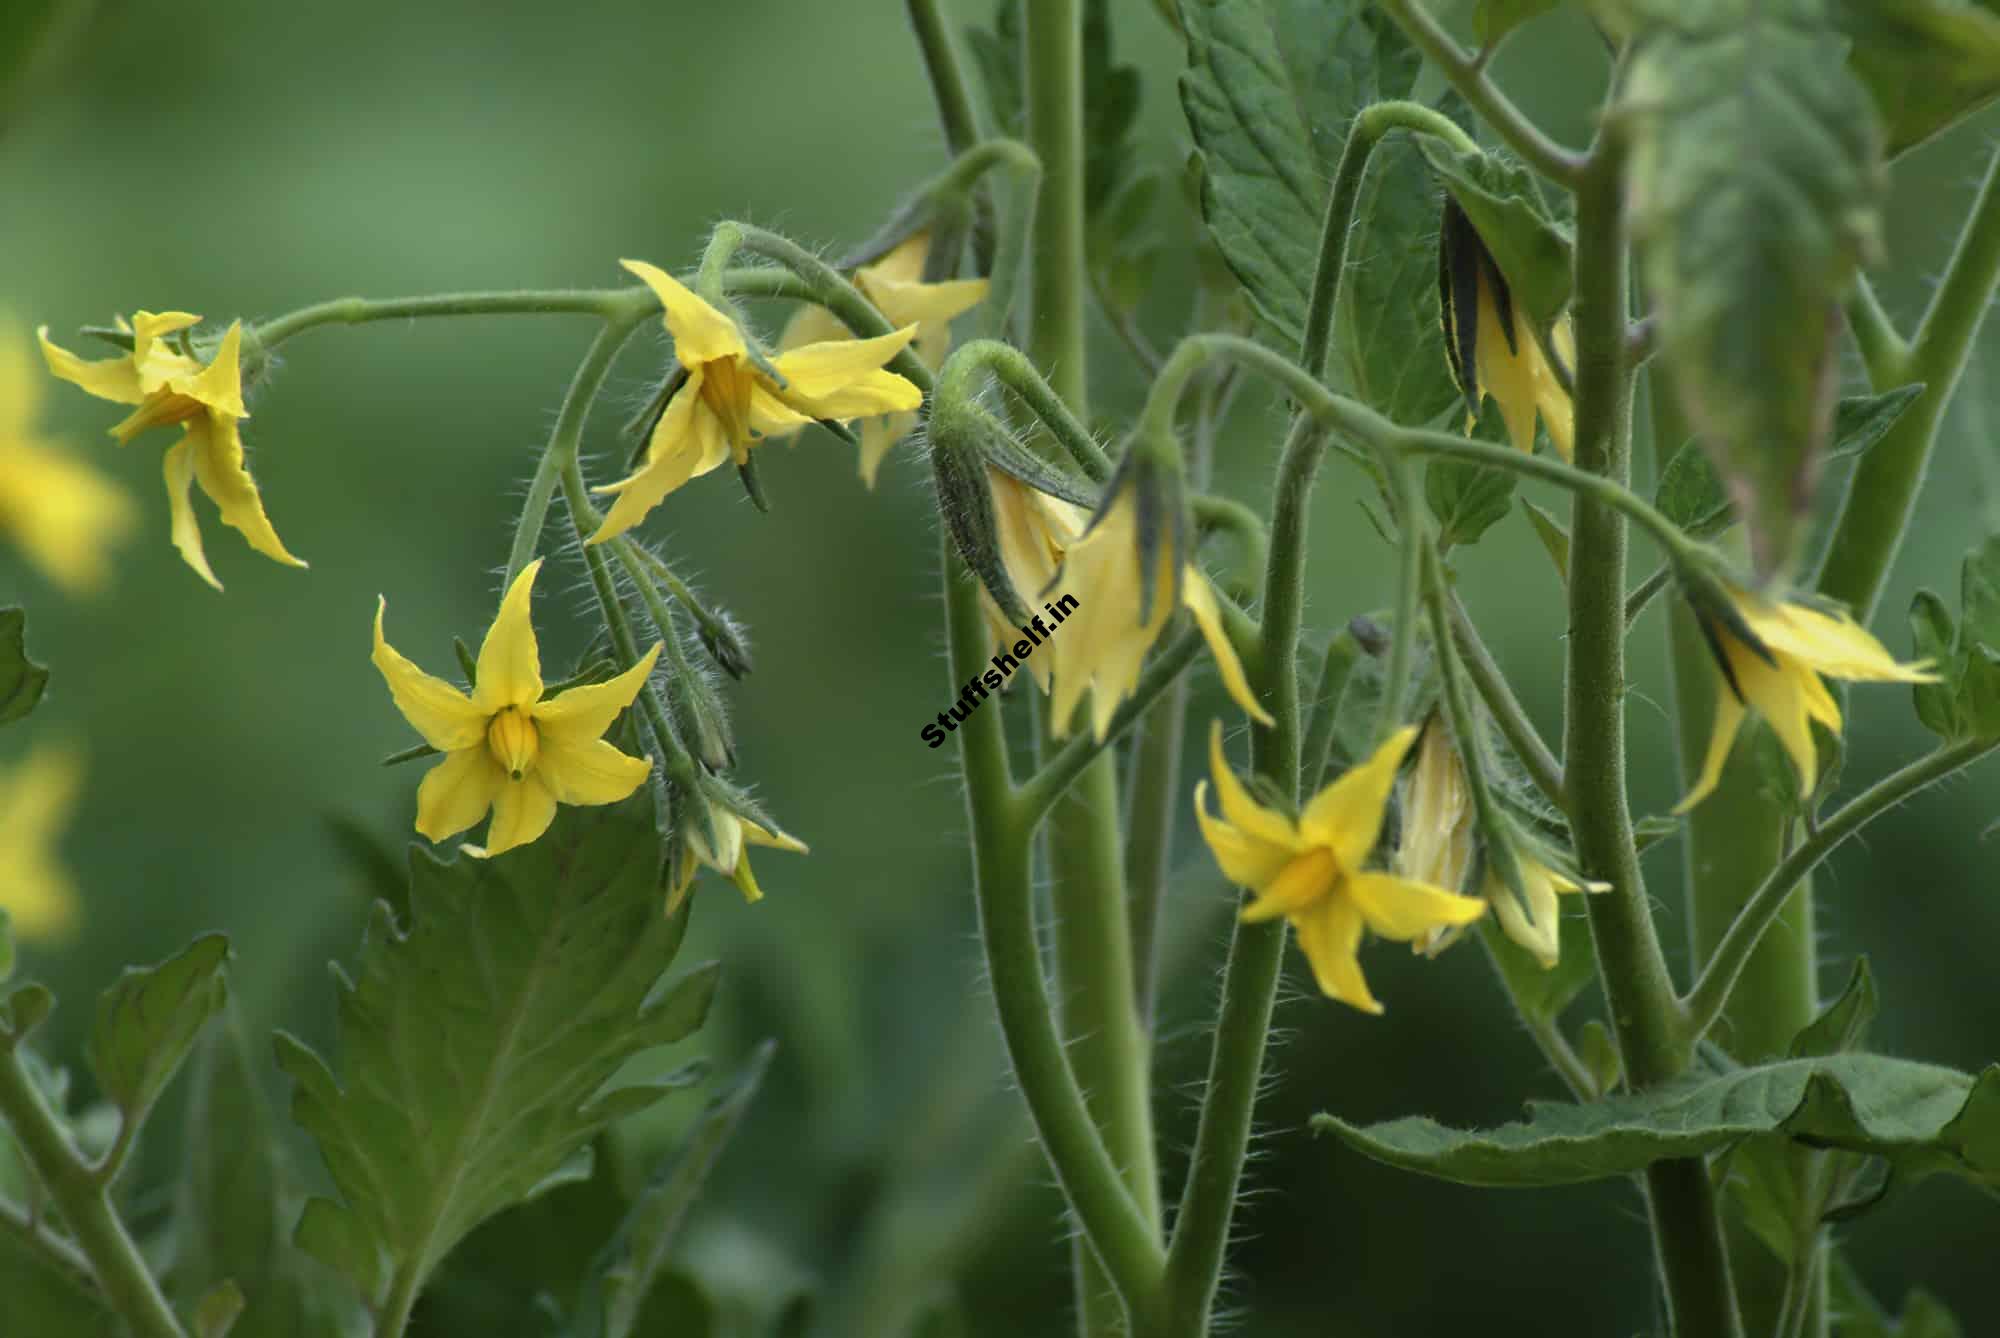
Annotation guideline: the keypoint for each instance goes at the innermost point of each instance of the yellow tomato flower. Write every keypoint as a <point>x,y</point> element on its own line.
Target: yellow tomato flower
<point>1538,928</point>
<point>1438,826</point>
<point>1035,531</point>
<point>506,748</point>
<point>1780,679</point>
<point>735,835</point>
<point>62,513</point>
<point>1498,353</point>
<point>35,800</point>
<point>1309,869</point>
<point>727,400</point>
<point>895,284</point>
<point>170,387</point>
<point>1104,642</point>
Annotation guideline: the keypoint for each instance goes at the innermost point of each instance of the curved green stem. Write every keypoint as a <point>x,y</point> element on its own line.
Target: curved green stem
<point>1515,726</point>
<point>84,1202</point>
<point>1214,512</point>
<point>1012,369</point>
<point>606,303</point>
<point>1061,767</point>
<point>1882,346</point>
<point>947,78</point>
<point>1710,994</point>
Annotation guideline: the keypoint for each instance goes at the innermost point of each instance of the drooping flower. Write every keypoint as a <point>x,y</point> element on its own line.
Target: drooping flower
<point>1034,530</point>
<point>1309,870</point>
<point>1105,641</point>
<point>63,514</point>
<point>1779,677</point>
<point>728,401</point>
<point>1439,823</point>
<point>506,747</point>
<point>734,834</point>
<point>35,801</point>
<point>895,284</point>
<point>1538,927</point>
<point>169,386</point>
<point>1490,343</point>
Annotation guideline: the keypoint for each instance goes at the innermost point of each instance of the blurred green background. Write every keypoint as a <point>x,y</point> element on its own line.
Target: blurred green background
<point>233,158</point>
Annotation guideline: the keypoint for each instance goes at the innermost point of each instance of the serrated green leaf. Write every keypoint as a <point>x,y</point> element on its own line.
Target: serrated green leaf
<point>1757,181</point>
<point>628,1269</point>
<point>22,681</point>
<point>1467,499</point>
<point>476,1039</point>
<point>1843,1024</point>
<point>1928,64</point>
<point>149,1020</point>
<point>1690,492</point>
<point>1554,536</point>
<point>1922,1117</point>
<point>1494,19</point>
<point>1506,208</point>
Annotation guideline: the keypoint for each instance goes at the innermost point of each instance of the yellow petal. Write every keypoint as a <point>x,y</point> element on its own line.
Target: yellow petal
<point>522,811</point>
<point>1558,413</point>
<point>758,835</point>
<point>1199,597</point>
<point>584,713</point>
<point>178,465</point>
<point>877,436</point>
<point>912,302</point>
<point>64,514</point>
<point>1330,937</point>
<point>1436,844</point>
<point>1347,815</point>
<point>1103,643</point>
<point>1242,812</point>
<point>1539,928</point>
<point>219,468</point>
<point>1307,878</point>
<point>589,771</point>
<point>902,263</point>
<point>456,792</point>
<point>155,358</point>
<point>701,333</point>
<point>1838,647</point>
<point>813,371</point>
<point>441,713</point>
<point>1503,373</point>
<point>1245,860</point>
<point>510,661</point>
<point>811,323</point>
<point>1778,694</point>
<point>1400,909</point>
<point>114,379</point>
<point>1728,716</point>
<point>687,442</point>
<point>220,384</point>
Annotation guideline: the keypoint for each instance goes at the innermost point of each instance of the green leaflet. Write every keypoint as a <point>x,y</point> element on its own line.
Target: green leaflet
<point>1927,63</point>
<point>1966,653</point>
<point>1922,1117</point>
<point>1466,499</point>
<point>148,1022</point>
<point>1756,182</point>
<point>22,681</point>
<point>634,1264</point>
<point>476,1039</point>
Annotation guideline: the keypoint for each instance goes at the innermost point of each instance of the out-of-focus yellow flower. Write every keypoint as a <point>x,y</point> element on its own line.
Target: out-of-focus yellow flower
<point>1438,826</point>
<point>35,801</point>
<point>1309,869</point>
<point>506,748</point>
<point>1495,352</point>
<point>727,400</point>
<point>1034,530</point>
<point>1105,641</point>
<point>735,835</point>
<point>1781,679</point>
<point>1538,928</point>
<point>170,387</point>
<point>895,284</point>
<point>62,512</point>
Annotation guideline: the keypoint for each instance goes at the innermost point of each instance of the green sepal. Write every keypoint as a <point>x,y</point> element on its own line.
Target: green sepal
<point>753,487</point>
<point>150,1019</point>
<point>1554,536</point>
<point>961,447</point>
<point>1843,1024</point>
<point>1501,201</point>
<point>1922,1117</point>
<point>22,681</point>
<point>25,1009</point>
<point>468,663</point>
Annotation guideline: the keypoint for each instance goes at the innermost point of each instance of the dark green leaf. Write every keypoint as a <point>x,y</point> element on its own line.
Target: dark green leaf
<point>1966,656</point>
<point>1936,640</point>
<point>1922,1117</point>
<point>150,1019</point>
<point>1494,19</point>
<point>476,1040</point>
<point>1690,492</point>
<point>1506,208</point>
<point>1843,1024</point>
<point>1927,63</point>
<point>1757,181</point>
<point>1554,537</point>
<point>1859,421</point>
<point>21,679</point>
<point>1467,499</point>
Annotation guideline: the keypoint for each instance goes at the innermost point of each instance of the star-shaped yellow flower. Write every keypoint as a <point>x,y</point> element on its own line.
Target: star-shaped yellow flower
<point>895,284</point>
<point>728,400</point>
<point>35,800</point>
<point>736,834</point>
<point>1104,643</point>
<point>1538,928</point>
<point>1309,869</point>
<point>171,387</point>
<point>62,513</point>
<point>507,748</point>
<point>1781,679</point>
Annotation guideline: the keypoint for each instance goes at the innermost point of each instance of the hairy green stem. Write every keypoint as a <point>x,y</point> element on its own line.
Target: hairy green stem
<point>1149,843</point>
<point>947,78</point>
<point>1012,369</point>
<point>1060,768</point>
<point>1882,495</point>
<point>1316,754</point>
<point>85,1204</point>
<point>1506,709</point>
<point>1882,346</point>
<point>606,303</point>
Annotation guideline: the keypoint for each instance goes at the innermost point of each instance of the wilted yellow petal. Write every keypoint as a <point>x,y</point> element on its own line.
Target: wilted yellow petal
<point>1400,909</point>
<point>589,771</point>
<point>522,811</point>
<point>510,661</point>
<point>1347,815</point>
<point>1199,597</point>
<point>1330,937</point>
<point>219,468</point>
<point>877,436</point>
<point>687,442</point>
<point>456,793</point>
<point>584,713</point>
<point>701,333</point>
<point>178,466</point>
<point>1558,412</point>
<point>441,713</point>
